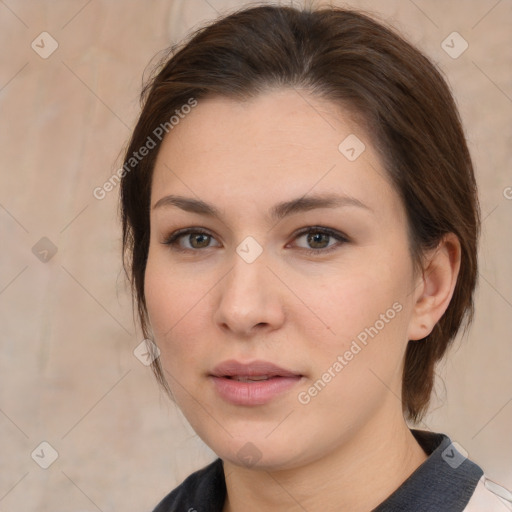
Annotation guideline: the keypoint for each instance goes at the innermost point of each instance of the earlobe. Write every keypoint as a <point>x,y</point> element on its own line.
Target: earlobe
<point>438,280</point>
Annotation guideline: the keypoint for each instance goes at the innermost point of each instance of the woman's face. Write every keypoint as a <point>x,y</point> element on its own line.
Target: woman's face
<point>283,315</point>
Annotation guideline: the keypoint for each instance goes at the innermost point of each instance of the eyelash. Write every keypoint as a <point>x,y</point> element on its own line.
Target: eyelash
<point>173,239</point>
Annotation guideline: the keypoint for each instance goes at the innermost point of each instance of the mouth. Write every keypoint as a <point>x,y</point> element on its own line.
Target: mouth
<point>255,383</point>
<point>255,378</point>
<point>256,370</point>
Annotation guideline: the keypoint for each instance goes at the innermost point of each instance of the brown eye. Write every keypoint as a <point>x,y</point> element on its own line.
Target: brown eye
<point>189,240</point>
<point>318,240</point>
<point>201,239</point>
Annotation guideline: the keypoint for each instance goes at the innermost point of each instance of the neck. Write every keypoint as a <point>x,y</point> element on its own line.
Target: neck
<point>382,458</point>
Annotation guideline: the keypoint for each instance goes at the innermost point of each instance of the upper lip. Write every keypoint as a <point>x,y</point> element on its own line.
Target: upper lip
<point>233,368</point>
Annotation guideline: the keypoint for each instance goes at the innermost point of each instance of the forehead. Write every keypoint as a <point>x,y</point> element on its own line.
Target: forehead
<point>280,144</point>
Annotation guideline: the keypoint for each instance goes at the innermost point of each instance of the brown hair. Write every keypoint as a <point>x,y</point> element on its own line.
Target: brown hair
<point>346,57</point>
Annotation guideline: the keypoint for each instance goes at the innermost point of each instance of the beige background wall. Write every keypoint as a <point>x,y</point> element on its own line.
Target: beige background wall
<point>67,372</point>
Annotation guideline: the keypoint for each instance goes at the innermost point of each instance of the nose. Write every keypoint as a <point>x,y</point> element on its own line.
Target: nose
<point>250,299</point>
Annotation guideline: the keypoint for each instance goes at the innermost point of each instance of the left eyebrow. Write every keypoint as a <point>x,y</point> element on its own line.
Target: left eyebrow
<point>313,202</point>
<point>277,212</point>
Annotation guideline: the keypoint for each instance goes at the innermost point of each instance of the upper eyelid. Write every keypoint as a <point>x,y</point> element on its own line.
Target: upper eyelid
<point>320,229</point>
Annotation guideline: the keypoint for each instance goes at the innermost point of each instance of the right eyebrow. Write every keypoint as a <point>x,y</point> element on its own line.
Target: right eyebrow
<point>188,204</point>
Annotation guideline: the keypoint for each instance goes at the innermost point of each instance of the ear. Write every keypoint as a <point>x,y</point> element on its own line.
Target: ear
<point>435,286</point>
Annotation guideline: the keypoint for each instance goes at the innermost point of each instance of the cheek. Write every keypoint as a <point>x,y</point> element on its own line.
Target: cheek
<point>347,304</point>
<point>357,361</point>
<point>160,297</point>
<point>362,318</point>
<point>174,302</point>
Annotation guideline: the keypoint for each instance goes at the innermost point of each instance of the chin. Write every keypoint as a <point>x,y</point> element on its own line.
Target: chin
<point>259,452</point>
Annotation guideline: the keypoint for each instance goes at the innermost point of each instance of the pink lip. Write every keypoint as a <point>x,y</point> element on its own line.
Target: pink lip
<point>256,392</point>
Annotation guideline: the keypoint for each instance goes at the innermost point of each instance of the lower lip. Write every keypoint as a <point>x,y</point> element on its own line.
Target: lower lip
<point>255,392</point>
